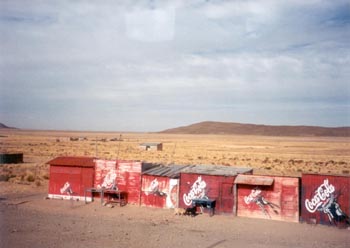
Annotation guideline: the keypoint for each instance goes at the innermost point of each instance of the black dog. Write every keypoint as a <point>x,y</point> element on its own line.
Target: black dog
<point>191,211</point>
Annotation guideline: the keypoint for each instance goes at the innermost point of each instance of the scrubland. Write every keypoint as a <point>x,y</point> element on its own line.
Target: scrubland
<point>289,156</point>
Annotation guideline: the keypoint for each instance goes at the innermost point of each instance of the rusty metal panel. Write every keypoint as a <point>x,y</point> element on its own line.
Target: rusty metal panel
<point>201,186</point>
<point>87,180</point>
<point>124,175</point>
<point>227,197</point>
<point>69,176</point>
<point>253,180</point>
<point>172,171</point>
<point>129,179</point>
<point>279,201</point>
<point>131,183</point>
<point>153,191</point>
<point>73,161</point>
<point>69,182</point>
<point>159,191</point>
<point>105,174</point>
<point>217,170</point>
<point>129,166</point>
<point>325,199</point>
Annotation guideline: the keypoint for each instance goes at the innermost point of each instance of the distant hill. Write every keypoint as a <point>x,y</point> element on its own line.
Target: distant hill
<point>211,127</point>
<point>3,126</point>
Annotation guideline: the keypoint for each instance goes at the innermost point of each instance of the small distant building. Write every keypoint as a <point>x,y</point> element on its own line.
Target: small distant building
<point>151,146</point>
<point>11,158</point>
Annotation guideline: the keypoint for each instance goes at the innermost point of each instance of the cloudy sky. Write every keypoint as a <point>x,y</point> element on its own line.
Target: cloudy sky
<point>153,65</point>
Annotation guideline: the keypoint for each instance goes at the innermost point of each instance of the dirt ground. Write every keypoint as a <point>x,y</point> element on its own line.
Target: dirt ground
<point>30,220</point>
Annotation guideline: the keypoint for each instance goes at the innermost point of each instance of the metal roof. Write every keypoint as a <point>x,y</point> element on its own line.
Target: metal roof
<point>325,174</point>
<point>172,171</point>
<point>217,170</point>
<point>73,161</point>
<point>254,180</point>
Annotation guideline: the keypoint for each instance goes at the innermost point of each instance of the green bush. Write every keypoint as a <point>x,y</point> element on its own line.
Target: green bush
<point>30,178</point>
<point>4,178</point>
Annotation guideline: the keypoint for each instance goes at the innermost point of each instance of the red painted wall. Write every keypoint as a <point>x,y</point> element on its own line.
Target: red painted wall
<point>325,199</point>
<point>214,187</point>
<point>159,191</point>
<point>280,201</point>
<point>67,181</point>
<point>129,179</point>
<point>105,173</point>
<point>124,175</point>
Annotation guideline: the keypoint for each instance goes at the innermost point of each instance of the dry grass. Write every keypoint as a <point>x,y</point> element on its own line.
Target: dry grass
<point>267,155</point>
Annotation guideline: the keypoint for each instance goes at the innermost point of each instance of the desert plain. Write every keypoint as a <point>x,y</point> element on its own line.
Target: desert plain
<point>30,220</point>
<point>289,156</point>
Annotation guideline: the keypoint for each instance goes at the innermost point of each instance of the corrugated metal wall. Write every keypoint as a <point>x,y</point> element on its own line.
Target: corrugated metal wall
<point>105,173</point>
<point>325,199</point>
<point>129,179</point>
<point>70,182</point>
<point>280,201</point>
<point>159,191</point>
<point>220,188</point>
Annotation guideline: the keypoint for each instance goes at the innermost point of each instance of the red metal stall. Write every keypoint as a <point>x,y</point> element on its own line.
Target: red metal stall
<point>119,176</point>
<point>70,176</point>
<point>268,197</point>
<point>105,173</point>
<point>160,186</point>
<point>129,178</point>
<point>210,182</point>
<point>325,199</point>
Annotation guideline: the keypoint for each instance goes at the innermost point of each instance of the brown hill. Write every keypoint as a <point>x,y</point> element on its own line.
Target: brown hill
<point>210,127</point>
<point>3,125</point>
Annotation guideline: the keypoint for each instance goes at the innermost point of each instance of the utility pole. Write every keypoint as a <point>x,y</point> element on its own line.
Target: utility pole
<point>120,139</point>
<point>96,147</point>
<point>172,156</point>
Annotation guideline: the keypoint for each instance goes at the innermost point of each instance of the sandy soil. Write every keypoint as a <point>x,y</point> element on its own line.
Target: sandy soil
<point>30,220</point>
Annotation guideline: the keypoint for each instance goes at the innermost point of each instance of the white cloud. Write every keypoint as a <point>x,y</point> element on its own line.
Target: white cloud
<point>150,25</point>
<point>199,58</point>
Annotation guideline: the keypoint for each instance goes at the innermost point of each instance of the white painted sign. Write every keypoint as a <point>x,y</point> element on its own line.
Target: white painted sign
<point>197,191</point>
<point>321,197</point>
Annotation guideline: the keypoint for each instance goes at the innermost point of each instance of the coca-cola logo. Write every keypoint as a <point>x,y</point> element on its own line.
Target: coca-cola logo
<point>109,180</point>
<point>254,194</point>
<point>321,197</point>
<point>66,189</point>
<point>154,186</point>
<point>197,191</point>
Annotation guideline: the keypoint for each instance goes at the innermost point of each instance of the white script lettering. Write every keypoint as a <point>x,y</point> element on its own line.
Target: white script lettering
<point>197,191</point>
<point>322,193</point>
